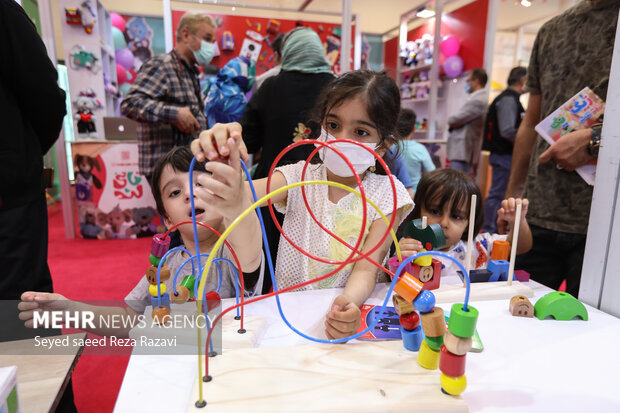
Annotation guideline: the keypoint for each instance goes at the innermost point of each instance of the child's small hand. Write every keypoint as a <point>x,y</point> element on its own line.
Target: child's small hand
<point>409,246</point>
<point>213,144</point>
<point>506,214</point>
<point>343,319</point>
<point>224,190</point>
<point>34,301</point>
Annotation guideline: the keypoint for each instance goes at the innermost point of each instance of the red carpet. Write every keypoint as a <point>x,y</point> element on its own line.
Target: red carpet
<point>95,270</point>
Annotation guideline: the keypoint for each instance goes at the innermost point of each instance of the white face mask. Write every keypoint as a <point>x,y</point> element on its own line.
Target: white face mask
<point>357,155</point>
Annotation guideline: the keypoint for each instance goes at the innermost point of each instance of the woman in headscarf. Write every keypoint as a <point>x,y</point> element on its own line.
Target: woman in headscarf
<point>278,112</point>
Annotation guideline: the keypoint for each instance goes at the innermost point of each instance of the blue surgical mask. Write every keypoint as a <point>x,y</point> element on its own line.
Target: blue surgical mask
<point>205,54</point>
<point>467,88</point>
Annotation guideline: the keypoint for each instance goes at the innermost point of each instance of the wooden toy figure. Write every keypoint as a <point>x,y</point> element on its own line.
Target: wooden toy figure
<point>520,306</point>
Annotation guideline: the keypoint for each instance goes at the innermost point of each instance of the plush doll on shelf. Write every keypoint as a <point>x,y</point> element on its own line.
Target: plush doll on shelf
<point>85,104</point>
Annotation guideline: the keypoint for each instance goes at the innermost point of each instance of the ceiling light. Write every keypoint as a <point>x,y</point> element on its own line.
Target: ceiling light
<point>425,14</point>
<point>234,8</point>
<point>526,3</point>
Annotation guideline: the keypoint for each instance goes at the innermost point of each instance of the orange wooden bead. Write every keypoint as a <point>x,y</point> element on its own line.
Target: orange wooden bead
<point>501,250</point>
<point>457,345</point>
<point>161,315</point>
<point>402,306</point>
<point>433,323</point>
<point>151,274</point>
<point>182,297</point>
<point>408,287</point>
<point>450,364</point>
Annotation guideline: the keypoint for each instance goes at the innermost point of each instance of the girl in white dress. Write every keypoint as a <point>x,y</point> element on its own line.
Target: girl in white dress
<point>362,106</point>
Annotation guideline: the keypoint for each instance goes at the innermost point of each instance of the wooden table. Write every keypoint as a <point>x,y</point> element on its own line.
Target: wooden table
<point>41,379</point>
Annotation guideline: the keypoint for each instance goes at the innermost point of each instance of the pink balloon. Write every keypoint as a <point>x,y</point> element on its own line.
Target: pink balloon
<point>453,66</point>
<point>450,46</point>
<point>121,74</point>
<point>117,21</point>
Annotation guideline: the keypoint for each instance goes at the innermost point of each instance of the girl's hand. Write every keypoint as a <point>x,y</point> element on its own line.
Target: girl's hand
<point>506,214</point>
<point>38,302</point>
<point>224,190</point>
<point>409,246</point>
<point>212,144</point>
<point>343,319</point>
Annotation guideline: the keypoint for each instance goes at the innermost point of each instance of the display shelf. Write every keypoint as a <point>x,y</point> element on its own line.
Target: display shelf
<point>418,100</point>
<point>406,69</point>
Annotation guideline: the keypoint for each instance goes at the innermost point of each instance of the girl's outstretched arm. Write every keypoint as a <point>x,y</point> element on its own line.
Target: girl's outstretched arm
<point>344,317</point>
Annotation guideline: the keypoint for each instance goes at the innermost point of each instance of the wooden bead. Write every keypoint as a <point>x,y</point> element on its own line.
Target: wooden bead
<point>160,245</point>
<point>182,295</point>
<point>153,289</point>
<point>520,306</point>
<point>188,282</point>
<point>213,300</point>
<point>408,287</point>
<point>453,385</point>
<point>427,357</point>
<point>426,273</point>
<point>424,302</point>
<point>457,345</point>
<point>434,323</point>
<point>423,261</point>
<point>462,323</point>
<point>451,364</point>
<point>410,321</point>
<point>434,343</point>
<point>412,339</point>
<point>154,260</point>
<point>161,315</point>
<point>151,274</point>
<point>431,237</point>
<point>402,306</point>
<point>501,250</point>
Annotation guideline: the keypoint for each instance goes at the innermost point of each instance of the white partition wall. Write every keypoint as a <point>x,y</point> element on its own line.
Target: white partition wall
<point>600,279</point>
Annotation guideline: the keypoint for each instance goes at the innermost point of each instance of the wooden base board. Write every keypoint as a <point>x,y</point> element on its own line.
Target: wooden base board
<point>356,377</point>
<point>499,290</point>
<point>231,338</point>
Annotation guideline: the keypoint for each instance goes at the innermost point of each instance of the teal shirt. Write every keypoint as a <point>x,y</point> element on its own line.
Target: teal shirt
<point>417,159</point>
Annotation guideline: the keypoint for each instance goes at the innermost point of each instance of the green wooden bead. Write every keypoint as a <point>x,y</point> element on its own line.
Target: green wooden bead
<point>189,282</point>
<point>154,260</point>
<point>462,323</point>
<point>434,343</point>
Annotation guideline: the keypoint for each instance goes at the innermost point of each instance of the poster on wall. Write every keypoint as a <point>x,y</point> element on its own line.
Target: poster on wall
<point>252,37</point>
<point>113,200</point>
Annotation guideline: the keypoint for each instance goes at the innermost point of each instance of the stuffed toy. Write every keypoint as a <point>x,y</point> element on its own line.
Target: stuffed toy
<point>143,222</point>
<point>84,178</point>
<point>118,224</point>
<point>85,104</point>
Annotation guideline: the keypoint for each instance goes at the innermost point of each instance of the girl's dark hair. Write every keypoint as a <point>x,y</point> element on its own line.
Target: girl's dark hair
<point>179,158</point>
<point>442,186</point>
<point>382,101</point>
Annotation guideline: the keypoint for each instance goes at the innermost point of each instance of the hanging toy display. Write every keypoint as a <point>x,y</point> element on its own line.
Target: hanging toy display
<point>81,58</point>
<point>84,16</point>
<point>85,104</point>
<point>251,45</point>
<point>228,41</point>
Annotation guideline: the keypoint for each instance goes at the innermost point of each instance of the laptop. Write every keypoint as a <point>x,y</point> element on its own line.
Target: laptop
<point>118,128</point>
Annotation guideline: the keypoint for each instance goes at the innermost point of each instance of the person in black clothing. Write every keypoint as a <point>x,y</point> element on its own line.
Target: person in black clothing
<point>503,120</point>
<point>278,112</point>
<point>32,107</point>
